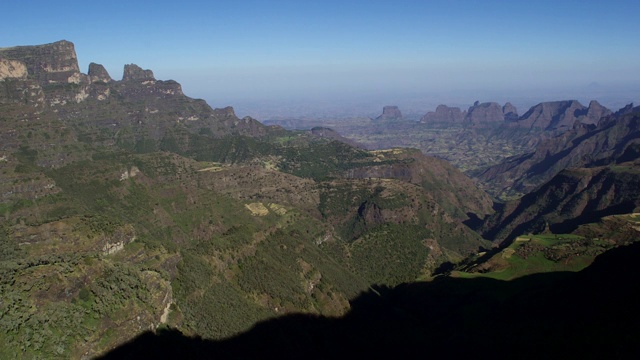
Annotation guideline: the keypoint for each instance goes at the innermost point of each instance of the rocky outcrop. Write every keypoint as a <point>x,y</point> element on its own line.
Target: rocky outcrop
<point>135,72</point>
<point>560,115</point>
<point>510,112</point>
<point>12,69</point>
<point>16,87</point>
<point>225,111</point>
<point>97,73</point>
<point>54,63</point>
<point>390,113</point>
<point>595,112</point>
<point>444,114</point>
<point>45,78</point>
<point>483,113</point>
<point>50,67</point>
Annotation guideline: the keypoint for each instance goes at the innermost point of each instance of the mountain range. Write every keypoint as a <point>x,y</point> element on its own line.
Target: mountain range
<point>128,206</point>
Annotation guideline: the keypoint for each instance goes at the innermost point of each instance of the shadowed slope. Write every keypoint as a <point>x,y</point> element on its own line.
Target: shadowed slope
<point>590,314</point>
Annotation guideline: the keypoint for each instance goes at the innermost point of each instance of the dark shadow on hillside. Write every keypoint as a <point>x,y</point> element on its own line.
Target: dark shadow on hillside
<point>590,314</point>
<point>474,222</point>
<point>587,217</point>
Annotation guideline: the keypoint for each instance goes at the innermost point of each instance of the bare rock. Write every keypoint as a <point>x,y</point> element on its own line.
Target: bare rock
<point>553,115</point>
<point>390,113</point>
<point>49,63</point>
<point>595,112</point>
<point>510,112</point>
<point>135,72</point>
<point>444,114</point>
<point>97,73</point>
<point>12,69</point>
<point>488,112</point>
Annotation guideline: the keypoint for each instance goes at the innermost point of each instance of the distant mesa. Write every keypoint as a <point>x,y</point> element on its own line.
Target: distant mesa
<point>390,113</point>
<point>484,113</point>
<point>552,115</point>
<point>135,72</point>
<point>444,114</point>
<point>477,115</point>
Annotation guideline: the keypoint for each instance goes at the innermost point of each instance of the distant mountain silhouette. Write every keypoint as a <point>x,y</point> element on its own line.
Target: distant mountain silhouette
<point>589,314</point>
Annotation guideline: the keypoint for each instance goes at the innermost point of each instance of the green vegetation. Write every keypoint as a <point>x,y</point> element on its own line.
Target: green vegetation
<point>391,254</point>
<point>532,254</point>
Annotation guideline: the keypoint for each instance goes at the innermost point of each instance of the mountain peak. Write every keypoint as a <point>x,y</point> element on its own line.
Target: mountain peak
<point>135,72</point>
<point>97,72</point>
<point>390,112</point>
<point>49,63</point>
<point>444,114</point>
<point>484,113</point>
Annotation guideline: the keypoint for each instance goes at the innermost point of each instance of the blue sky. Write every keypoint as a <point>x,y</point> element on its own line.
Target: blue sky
<point>279,51</point>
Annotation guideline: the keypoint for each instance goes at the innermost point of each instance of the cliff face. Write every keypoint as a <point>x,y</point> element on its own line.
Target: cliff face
<point>510,112</point>
<point>489,112</point>
<point>390,113</point>
<point>444,114</point>
<point>479,114</point>
<point>561,115</point>
<point>12,69</point>
<point>135,72</point>
<point>595,112</point>
<point>54,63</point>
<point>97,73</point>
<point>140,107</point>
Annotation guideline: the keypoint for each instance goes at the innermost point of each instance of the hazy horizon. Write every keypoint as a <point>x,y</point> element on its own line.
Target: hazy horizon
<point>350,58</point>
<point>414,105</point>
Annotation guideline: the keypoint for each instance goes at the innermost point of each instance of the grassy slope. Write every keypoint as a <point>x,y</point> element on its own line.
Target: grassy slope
<point>532,254</point>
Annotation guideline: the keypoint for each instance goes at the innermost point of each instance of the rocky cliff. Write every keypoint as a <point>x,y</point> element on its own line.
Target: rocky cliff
<point>510,112</point>
<point>12,69</point>
<point>135,72</point>
<point>390,113</point>
<point>561,115</point>
<point>54,63</point>
<point>444,114</point>
<point>483,113</point>
<point>137,108</point>
<point>477,115</point>
<point>97,73</point>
